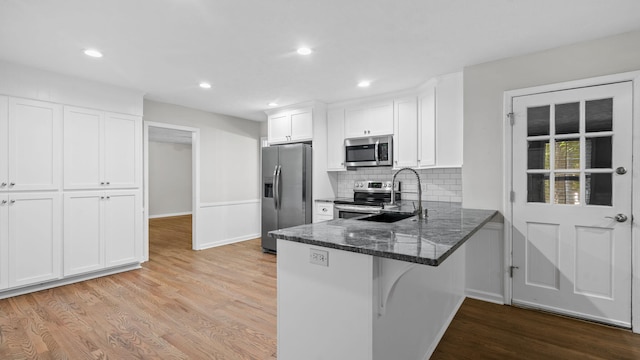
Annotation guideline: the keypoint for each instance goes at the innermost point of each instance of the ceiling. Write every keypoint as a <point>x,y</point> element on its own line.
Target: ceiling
<point>246,49</point>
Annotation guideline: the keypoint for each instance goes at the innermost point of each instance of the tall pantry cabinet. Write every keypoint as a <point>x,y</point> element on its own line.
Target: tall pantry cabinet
<point>70,192</point>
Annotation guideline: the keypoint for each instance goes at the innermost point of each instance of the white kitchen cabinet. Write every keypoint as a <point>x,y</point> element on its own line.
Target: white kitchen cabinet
<point>449,120</point>
<point>369,120</point>
<point>427,127</point>
<point>324,211</point>
<point>290,126</point>
<point>4,241</point>
<point>335,140</point>
<point>30,144</point>
<point>405,142</point>
<point>102,229</point>
<point>33,224</point>
<point>101,150</point>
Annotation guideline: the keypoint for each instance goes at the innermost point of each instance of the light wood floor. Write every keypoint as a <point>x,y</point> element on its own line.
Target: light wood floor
<point>221,304</point>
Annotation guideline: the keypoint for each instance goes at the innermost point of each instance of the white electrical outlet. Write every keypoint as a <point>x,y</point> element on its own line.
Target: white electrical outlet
<point>319,257</point>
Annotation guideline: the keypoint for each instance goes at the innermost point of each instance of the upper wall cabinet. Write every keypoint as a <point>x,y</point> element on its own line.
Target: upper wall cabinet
<point>290,126</point>
<point>29,144</point>
<point>368,120</point>
<point>335,140</point>
<point>101,150</point>
<point>437,119</point>
<point>405,144</point>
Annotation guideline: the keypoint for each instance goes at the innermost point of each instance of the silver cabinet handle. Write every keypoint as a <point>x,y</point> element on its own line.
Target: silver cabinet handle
<point>108,183</point>
<point>12,202</point>
<point>621,170</point>
<point>101,197</point>
<point>4,202</point>
<point>618,217</point>
<point>12,184</point>
<point>3,184</point>
<point>102,183</point>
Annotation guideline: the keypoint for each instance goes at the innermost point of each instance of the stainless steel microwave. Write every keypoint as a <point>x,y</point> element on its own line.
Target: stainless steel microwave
<point>369,151</point>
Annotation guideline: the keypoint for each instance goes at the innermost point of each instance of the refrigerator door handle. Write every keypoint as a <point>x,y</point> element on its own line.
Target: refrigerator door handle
<point>276,185</point>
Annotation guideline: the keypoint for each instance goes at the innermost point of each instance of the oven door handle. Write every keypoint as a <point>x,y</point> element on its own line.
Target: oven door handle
<point>276,186</point>
<point>375,152</point>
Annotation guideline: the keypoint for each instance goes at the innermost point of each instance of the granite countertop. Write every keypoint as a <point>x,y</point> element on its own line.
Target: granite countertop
<point>428,242</point>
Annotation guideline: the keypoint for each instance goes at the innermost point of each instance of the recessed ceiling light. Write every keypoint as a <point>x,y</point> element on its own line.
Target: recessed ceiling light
<point>205,85</point>
<point>93,53</point>
<point>364,84</point>
<point>273,104</point>
<point>304,51</point>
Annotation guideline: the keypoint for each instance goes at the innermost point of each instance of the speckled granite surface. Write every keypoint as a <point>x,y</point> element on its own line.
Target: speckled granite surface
<point>427,242</point>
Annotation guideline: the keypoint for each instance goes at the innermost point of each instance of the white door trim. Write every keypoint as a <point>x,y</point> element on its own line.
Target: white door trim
<point>195,178</point>
<point>508,168</point>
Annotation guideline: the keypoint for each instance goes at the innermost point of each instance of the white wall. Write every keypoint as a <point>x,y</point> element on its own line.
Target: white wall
<point>229,147</point>
<point>229,150</point>
<point>32,83</point>
<point>485,84</point>
<point>170,186</point>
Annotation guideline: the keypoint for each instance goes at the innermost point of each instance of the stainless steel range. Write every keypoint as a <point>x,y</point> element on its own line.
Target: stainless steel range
<point>369,197</point>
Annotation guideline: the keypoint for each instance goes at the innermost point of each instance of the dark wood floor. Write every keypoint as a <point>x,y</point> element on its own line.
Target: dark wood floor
<point>221,304</point>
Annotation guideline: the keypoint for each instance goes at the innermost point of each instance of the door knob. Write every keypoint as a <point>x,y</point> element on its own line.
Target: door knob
<point>618,217</point>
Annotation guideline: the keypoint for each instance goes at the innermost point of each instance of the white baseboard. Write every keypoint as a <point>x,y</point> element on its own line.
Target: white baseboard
<point>485,296</point>
<point>225,223</point>
<point>66,281</point>
<point>169,215</point>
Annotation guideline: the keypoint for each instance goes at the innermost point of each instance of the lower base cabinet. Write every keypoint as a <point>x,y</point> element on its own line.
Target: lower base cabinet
<point>30,238</point>
<point>102,229</point>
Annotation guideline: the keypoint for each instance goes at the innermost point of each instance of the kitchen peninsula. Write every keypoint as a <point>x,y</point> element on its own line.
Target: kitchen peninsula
<point>358,289</point>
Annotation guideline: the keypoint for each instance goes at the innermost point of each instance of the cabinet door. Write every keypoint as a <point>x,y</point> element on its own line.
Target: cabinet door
<point>449,117</point>
<point>405,142</point>
<point>122,151</point>
<point>380,119</point>
<point>35,234</point>
<point>301,125</point>
<point>355,123</point>
<point>4,241</point>
<point>4,146</point>
<point>34,145</point>
<point>83,241</point>
<point>279,128</point>
<point>427,128</point>
<point>83,151</point>
<point>335,139</point>
<point>122,227</point>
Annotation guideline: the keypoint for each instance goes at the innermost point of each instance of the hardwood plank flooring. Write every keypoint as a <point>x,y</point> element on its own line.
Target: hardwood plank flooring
<point>220,303</point>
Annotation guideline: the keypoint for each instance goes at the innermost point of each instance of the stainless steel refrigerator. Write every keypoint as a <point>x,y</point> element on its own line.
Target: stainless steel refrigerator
<point>286,189</point>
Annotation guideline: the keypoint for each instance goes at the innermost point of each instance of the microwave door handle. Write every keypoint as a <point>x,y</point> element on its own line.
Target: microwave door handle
<point>275,187</point>
<point>375,152</point>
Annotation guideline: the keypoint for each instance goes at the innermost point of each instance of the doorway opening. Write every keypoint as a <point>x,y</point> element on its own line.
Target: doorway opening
<point>172,181</point>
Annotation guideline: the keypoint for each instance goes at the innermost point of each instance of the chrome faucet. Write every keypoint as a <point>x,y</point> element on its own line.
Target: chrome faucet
<point>393,191</point>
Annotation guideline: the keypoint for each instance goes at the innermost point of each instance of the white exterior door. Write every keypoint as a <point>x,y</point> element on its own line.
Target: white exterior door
<point>34,145</point>
<point>35,234</point>
<point>572,207</point>
<point>83,148</point>
<point>83,232</point>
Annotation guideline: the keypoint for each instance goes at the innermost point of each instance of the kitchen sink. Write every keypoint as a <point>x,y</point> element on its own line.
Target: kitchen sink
<point>387,217</point>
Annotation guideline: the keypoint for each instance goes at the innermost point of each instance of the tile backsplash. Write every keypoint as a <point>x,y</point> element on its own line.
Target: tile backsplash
<point>437,184</point>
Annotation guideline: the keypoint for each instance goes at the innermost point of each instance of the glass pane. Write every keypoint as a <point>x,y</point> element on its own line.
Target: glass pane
<point>598,189</point>
<point>538,120</point>
<point>538,154</point>
<point>598,153</point>
<point>568,154</point>
<point>599,115</point>
<point>567,189</point>
<point>538,188</point>
<point>568,118</point>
